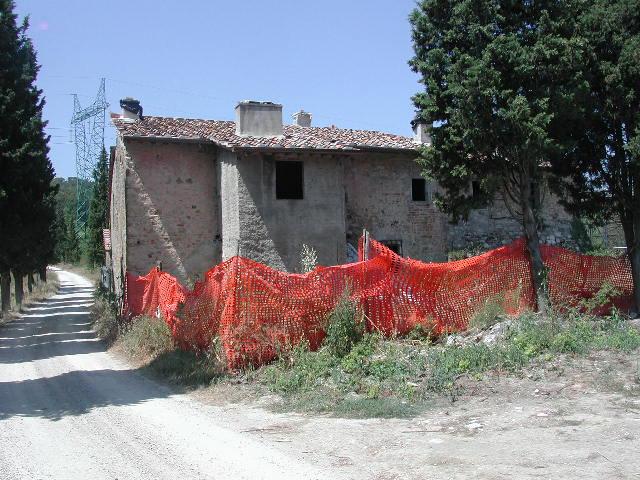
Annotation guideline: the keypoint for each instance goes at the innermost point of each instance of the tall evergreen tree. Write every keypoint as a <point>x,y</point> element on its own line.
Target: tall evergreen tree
<point>71,243</point>
<point>98,211</point>
<point>495,73</point>
<point>602,166</point>
<point>26,192</point>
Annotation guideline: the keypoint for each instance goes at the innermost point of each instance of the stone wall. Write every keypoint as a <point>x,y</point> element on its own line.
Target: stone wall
<point>191,206</point>
<point>272,231</point>
<point>378,198</point>
<point>495,225</point>
<point>173,208</point>
<point>118,218</point>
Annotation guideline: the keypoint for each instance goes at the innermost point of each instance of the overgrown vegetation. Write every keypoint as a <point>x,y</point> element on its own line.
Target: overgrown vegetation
<point>147,337</point>
<point>188,369</point>
<point>148,340</point>
<point>490,313</point>
<point>363,374</point>
<point>379,376</point>
<point>344,328</point>
<point>104,315</point>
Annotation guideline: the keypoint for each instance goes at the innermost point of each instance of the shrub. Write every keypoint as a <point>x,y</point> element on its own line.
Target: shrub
<point>601,299</point>
<point>489,314</point>
<point>189,368</point>
<point>344,328</point>
<point>147,337</point>
<point>308,258</point>
<point>104,318</point>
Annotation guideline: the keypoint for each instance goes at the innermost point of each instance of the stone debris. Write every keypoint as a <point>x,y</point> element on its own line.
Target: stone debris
<point>489,336</point>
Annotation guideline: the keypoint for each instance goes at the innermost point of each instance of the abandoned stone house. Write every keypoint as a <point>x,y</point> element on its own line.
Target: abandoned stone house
<point>190,193</point>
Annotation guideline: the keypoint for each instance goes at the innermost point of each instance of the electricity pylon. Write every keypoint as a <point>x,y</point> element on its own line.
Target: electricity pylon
<point>88,133</point>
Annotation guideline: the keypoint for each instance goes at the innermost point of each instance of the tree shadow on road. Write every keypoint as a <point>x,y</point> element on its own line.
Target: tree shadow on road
<point>41,375</point>
<point>76,393</point>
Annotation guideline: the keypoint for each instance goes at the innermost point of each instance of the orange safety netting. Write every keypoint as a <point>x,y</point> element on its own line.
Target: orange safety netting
<point>255,310</point>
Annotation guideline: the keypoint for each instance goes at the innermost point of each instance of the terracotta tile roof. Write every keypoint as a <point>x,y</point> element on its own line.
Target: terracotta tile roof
<point>294,137</point>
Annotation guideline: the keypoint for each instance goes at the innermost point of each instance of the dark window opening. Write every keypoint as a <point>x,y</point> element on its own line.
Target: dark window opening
<point>475,189</point>
<point>289,180</point>
<point>394,245</point>
<point>419,190</point>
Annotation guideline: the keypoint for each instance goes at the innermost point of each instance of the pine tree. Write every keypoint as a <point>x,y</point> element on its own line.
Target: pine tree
<point>26,192</point>
<point>98,211</point>
<point>495,73</point>
<point>602,164</point>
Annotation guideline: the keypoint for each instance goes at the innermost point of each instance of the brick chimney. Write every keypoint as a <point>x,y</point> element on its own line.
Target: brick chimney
<point>258,119</point>
<point>302,119</point>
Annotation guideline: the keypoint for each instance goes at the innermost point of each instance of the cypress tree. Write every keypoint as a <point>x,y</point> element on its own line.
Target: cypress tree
<point>495,73</point>
<point>98,211</point>
<point>71,245</point>
<point>602,165</point>
<point>26,191</point>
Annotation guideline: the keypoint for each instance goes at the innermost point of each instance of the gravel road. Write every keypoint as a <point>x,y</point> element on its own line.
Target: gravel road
<point>69,409</point>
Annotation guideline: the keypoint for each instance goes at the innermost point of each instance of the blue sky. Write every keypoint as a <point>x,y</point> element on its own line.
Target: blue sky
<point>345,61</point>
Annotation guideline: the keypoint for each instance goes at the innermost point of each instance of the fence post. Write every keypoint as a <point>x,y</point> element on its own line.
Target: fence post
<point>365,254</point>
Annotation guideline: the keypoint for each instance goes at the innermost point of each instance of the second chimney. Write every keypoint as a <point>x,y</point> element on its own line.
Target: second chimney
<point>421,132</point>
<point>258,119</point>
<point>302,119</point>
<point>131,108</point>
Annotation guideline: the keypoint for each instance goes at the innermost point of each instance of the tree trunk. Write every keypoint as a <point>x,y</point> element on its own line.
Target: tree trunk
<point>630,219</point>
<point>43,273</point>
<point>634,256</point>
<point>530,224</point>
<point>30,282</point>
<point>18,288</point>
<point>632,238</point>
<point>5,290</point>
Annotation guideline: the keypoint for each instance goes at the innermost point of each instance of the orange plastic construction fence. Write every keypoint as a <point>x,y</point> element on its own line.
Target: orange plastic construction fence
<point>255,310</point>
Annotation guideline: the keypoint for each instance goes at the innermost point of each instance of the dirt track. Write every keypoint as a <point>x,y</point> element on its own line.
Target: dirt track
<point>69,409</point>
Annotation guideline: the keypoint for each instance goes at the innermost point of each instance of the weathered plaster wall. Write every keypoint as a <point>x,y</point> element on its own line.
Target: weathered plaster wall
<point>173,208</point>
<point>378,198</point>
<point>495,225</point>
<point>118,219</point>
<point>271,230</point>
<point>227,167</point>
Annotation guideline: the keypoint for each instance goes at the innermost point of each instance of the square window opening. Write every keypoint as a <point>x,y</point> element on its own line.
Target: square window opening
<point>394,245</point>
<point>289,180</point>
<point>475,189</point>
<point>419,190</point>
